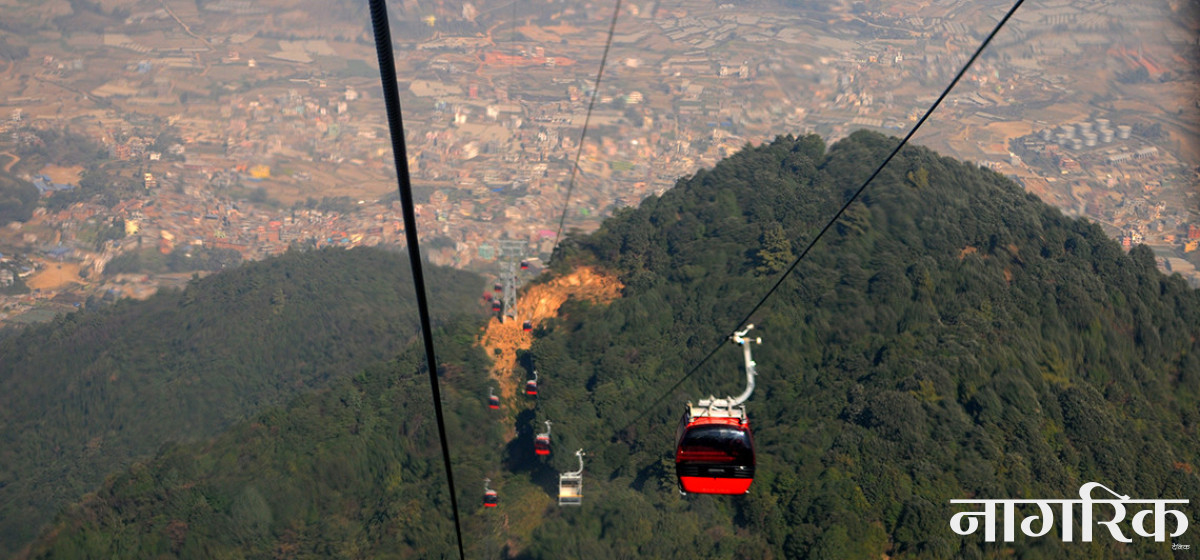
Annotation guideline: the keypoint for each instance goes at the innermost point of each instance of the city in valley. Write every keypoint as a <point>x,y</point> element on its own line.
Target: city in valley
<point>169,138</point>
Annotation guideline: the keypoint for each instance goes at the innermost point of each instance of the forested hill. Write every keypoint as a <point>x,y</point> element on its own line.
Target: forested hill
<point>951,338</point>
<point>18,198</point>
<point>88,393</point>
<point>352,472</point>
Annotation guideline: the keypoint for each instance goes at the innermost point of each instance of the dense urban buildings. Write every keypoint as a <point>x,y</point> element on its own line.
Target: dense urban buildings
<point>241,129</point>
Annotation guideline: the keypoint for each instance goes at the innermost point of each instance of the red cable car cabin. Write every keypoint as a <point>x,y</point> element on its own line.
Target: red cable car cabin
<point>714,451</point>
<point>496,305</point>
<point>493,400</point>
<point>531,385</point>
<point>498,288</point>
<point>541,442</point>
<point>524,265</point>
<point>528,326</point>
<point>490,497</point>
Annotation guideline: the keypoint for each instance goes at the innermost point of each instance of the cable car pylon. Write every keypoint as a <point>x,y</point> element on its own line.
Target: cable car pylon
<point>714,449</point>
<point>509,276</point>
<point>511,250</point>
<point>570,485</point>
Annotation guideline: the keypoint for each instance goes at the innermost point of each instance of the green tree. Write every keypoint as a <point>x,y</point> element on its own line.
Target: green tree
<point>775,255</point>
<point>18,198</point>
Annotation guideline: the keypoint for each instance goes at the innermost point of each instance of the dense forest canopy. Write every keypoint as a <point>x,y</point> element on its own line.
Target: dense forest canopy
<point>18,198</point>
<point>185,258</point>
<point>350,472</point>
<point>91,391</point>
<point>952,337</point>
<point>60,147</point>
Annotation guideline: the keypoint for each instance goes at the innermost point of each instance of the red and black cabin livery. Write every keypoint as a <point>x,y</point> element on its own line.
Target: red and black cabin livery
<point>541,443</point>
<point>531,387</point>
<point>490,498</point>
<point>714,450</point>
<point>714,454</point>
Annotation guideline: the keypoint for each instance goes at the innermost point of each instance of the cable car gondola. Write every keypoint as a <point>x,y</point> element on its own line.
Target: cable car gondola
<point>493,400</point>
<point>531,385</point>
<point>496,305</point>
<point>490,498</point>
<point>498,287</point>
<point>570,485</point>
<point>714,449</point>
<point>528,326</point>
<point>541,443</point>
<point>524,265</point>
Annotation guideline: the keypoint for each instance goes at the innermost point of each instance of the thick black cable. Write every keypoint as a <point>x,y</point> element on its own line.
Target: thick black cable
<point>391,98</point>
<point>612,27</point>
<point>835,218</point>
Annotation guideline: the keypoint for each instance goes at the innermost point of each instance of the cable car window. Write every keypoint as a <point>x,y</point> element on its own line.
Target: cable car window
<point>716,442</point>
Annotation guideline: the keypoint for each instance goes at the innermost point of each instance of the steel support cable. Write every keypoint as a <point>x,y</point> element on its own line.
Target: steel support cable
<point>987,40</point>
<point>612,27</point>
<point>391,97</point>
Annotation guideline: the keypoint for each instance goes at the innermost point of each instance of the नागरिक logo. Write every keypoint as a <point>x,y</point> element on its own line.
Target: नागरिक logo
<point>1157,514</point>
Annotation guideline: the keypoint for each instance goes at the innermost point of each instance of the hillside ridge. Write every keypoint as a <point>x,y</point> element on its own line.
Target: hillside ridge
<point>94,390</point>
<point>897,372</point>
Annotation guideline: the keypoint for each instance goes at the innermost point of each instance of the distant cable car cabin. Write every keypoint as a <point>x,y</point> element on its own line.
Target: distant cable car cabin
<point>528,326</point>
<point>524,265</point>
<point>493,400</point>
<point>490,498</point>
<point>496,305</point>
<point>498,287</point>
<point>541,443</point>
<point>531,388</point>
<point>714,450</point>
<point>570,485</point>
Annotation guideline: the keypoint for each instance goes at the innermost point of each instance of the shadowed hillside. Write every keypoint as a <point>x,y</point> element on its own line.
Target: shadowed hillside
<point>92,391</point>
